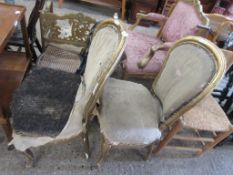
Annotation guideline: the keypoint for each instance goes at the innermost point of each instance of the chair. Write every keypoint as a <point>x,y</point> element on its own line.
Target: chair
<point>132,117</point>
<point>50,112</point>
<point>183,20</point>
<point>17,39</point>
<point>63,40</point>
<point>209,124</point>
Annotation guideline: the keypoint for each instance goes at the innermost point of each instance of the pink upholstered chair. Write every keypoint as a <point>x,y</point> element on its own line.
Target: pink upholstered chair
<point>184,19</point>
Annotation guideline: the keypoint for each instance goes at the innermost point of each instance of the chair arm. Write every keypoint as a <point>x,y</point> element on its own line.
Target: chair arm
<point>155,17</point>
<point>146,59</point>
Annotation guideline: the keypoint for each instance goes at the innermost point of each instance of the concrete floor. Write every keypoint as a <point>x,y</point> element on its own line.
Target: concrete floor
<point>67,158</point>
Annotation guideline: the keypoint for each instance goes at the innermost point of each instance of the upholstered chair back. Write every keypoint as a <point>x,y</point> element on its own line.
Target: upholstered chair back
<point>183,20</point>
<point>193,67</point>
<point>106,48</point>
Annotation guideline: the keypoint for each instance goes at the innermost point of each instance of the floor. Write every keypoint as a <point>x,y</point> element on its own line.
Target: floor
<point>67,158</point>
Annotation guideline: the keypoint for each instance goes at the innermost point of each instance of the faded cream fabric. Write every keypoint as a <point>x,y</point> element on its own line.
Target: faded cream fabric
<point>129,113</point>
<point>103,56</point>
<point>187,71</point>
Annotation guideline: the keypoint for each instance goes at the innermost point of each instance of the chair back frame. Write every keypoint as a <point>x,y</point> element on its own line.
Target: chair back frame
<point>74,33</point>
<point>220,64</point>
<point>196,4</point>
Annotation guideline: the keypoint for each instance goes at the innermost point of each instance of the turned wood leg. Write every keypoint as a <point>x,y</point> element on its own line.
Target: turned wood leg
<point>220,136</point>
<point>30,158</point>
<point>176,128</point>
<point>105,148</point>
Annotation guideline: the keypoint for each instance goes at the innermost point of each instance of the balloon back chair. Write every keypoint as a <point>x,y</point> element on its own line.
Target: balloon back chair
<point>45,108</point>
<point>63,39</point>
<point>132,117</point>
<point>145,54</point>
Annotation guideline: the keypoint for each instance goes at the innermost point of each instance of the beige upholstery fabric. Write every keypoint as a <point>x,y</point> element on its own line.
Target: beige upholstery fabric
<point>129,113</point>
<point>187,71</point>
<point>104,54</point>
<point>60,59</point>
<point>207,115</point>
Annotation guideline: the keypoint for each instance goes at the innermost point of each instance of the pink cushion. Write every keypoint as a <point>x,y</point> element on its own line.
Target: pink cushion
<point>182,22</point>
<point>138,45</point>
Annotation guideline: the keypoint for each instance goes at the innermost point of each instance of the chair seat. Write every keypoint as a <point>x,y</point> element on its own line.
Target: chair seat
<point>208,116</point>
<point>42,104</point>
<point>60,59</point>
<point>129,114</point>
<point>138,45</point>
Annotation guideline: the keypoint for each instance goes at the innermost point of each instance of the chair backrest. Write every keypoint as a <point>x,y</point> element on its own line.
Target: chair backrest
<point>33,18</point>
<point>183,20</point>
<point>70,29</point>
<point>107,46</point>
<point>192,68</point>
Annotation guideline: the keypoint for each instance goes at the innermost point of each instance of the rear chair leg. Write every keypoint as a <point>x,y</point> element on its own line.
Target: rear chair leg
<point>30,158</point>
<point>86,145</point>
<point>105,148</point>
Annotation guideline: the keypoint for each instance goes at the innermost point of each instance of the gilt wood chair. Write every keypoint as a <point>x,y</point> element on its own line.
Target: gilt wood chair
<point>184,19</point>
<point>209,124</point>
<point>49,112</point>
<point>63,39</point>
<point>130,116</point>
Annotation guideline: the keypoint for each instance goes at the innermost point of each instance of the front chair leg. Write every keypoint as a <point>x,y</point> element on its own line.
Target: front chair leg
<point>105,148</point>
<point>30,158</point>
<point>86,145</point>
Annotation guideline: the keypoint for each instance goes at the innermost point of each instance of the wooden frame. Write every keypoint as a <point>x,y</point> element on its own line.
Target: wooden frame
<point>140,16</point>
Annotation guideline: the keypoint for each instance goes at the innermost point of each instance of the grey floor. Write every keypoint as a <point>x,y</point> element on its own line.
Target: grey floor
<point>67,158</point>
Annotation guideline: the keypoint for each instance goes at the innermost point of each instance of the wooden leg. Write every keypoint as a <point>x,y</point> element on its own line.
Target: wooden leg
<point>149,151</point>
<point>217,139</point>
<point>38,45</point>
<point>176,128</point>
<point>123,4</point>
<point>105,148</point>
<point>30,158</point>
<point>8,130</point>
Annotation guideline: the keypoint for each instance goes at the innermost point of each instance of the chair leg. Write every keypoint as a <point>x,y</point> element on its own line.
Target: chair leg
<point>38,45</point>
<point>176,128</point>
<point>86,145</point>
<point>149,151</point>
<point>30,158</point>
<point>217,139</point>
<point>8,130</point>
<point>105,148</point>
<point>34,56</point>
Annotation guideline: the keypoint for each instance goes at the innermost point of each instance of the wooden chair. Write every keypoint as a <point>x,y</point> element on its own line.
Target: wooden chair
<point>145,54</point>
<point>63,40</point>
<point>132,117</point>
<point>50,112</point>
<point>209,124</point>
<point>17,39</point>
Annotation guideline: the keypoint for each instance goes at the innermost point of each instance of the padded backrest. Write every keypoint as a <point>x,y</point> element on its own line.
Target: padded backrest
<point>183,20</point>
<point>70,29</point>
<point>193,67</point>
<point>106,48</point>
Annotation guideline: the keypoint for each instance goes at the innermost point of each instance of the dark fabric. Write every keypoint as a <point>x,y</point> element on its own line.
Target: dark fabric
<point>42,104</point>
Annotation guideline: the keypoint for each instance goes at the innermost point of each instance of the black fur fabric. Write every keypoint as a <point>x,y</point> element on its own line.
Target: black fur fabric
<point>42,104</point>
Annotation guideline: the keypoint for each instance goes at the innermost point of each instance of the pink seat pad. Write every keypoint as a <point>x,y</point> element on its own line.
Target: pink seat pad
<point>138,45</point>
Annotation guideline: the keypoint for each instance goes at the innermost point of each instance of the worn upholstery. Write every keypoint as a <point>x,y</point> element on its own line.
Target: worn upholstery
<point>104,54</point>
<point>207,115</point>
<point>186,63</point>
<point>183,21</point>
<point>129,114</point>
<point>138,45</point>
